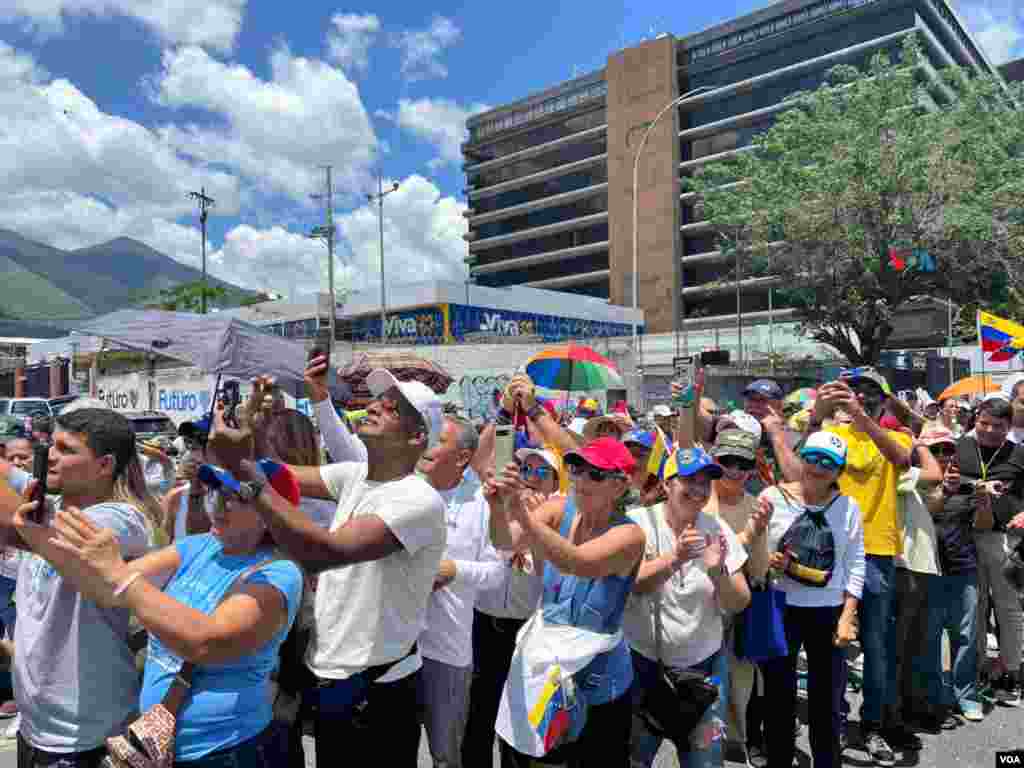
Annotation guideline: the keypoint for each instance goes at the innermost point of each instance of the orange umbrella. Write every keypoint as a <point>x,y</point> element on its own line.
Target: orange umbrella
<point>972,385</point>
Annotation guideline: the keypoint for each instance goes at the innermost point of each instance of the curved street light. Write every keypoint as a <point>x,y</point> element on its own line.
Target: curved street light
<point>636,175</point>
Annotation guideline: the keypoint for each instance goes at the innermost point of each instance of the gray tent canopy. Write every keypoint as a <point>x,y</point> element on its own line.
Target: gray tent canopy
<point>213,343</point>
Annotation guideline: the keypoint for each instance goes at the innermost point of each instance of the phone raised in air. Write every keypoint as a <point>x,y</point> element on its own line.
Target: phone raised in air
<point>40,468</point>
<point>504,447</point>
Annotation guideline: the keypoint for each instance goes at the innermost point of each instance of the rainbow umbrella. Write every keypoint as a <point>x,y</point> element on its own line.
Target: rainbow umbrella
<point>572,368</point>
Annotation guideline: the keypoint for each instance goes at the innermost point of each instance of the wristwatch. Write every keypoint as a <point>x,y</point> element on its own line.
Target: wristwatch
<point>250,490</point>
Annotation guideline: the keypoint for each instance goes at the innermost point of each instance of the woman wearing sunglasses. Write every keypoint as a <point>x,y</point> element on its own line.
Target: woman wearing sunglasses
<point>691,575</point>
<point>821,618</point>
<point>589,553</point>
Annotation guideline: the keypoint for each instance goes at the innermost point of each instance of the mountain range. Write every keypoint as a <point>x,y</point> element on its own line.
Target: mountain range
<point>45,291</point>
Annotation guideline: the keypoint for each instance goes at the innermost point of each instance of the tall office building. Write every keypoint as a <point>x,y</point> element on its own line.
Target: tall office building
<point>550,177</point>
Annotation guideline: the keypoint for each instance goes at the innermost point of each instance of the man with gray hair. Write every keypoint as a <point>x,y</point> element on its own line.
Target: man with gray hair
<point>447,641</point>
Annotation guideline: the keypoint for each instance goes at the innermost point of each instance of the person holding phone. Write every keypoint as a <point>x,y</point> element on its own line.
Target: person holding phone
<point>822,617</point>
<point>590,553</point>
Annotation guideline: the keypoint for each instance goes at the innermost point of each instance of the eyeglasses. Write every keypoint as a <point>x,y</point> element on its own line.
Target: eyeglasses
<point>943,451</point>
<point>736,462</point>
<point>541,473</point>
<point>817,459</point>
<point>595,474</point>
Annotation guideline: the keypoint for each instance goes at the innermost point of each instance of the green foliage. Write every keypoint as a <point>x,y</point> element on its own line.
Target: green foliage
<point>874,158</point>
<point>188,297</point>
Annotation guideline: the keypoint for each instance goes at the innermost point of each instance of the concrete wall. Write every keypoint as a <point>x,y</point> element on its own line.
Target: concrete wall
<point>641,82</point>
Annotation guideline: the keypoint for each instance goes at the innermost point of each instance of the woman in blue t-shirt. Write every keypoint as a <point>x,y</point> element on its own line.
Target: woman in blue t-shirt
<point>226,604</point>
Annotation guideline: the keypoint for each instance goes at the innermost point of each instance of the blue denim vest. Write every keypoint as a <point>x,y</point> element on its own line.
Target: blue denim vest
<point>597,605</point>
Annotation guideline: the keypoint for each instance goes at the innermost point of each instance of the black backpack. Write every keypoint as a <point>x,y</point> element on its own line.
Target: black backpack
<point>811,546</point>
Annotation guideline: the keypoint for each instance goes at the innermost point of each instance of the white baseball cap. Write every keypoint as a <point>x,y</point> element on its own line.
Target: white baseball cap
<point>417,394</point>
<point>577,425</point>
<point>744,421</point>
<point>546,456</point>
<point>662,410</point>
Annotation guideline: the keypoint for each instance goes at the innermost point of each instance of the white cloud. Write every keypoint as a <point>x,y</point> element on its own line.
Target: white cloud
<point>997,25</point>
<point>213,23</point>
<point>422,48</point>
<point>350,40</point>
<point>277,132</point>
<point>440,122</point>
<point>71,173</point>
<point>422,237</point>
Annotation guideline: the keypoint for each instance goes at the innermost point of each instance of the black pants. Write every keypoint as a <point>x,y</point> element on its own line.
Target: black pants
<point>494,642</point>
<point>604,741</point>
<point>378,719</point>
<point>30,757</point>
<point>812,628</point>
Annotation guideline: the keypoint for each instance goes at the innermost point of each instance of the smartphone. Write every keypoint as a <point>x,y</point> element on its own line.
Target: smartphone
<point>504,446</point>
<point>40,468</point>
<point>231,396</point>
<point>685,369</point>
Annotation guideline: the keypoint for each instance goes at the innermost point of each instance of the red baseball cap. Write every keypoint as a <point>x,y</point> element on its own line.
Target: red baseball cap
<point>604,453</point>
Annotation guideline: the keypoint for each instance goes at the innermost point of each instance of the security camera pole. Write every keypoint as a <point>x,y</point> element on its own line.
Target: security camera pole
<point>205,204</point>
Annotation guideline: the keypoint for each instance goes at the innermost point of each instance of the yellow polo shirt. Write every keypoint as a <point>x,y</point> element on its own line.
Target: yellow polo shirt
<point>872,480</point>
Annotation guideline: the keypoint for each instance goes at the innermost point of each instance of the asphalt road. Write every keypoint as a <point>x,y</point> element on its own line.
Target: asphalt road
<point>973,745</point>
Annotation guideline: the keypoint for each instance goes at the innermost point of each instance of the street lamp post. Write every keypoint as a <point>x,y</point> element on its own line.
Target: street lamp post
<point>636,180</point>
<point>379,198</point>
<point>205,203</point>
<point>328,233</point>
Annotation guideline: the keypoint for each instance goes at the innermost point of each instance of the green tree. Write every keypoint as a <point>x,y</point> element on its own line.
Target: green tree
<point>880,158</point>
<point>188,297</point>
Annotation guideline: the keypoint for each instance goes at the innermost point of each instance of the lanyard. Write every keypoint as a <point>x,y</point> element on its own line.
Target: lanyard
<point>985,465</point>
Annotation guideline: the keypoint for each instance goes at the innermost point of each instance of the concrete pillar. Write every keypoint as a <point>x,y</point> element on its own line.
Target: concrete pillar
<point>641,82</point>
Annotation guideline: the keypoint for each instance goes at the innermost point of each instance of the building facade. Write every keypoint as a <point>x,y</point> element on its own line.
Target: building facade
<point>550,177</point>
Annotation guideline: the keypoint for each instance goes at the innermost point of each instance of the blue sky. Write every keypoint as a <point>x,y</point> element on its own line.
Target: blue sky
<point>112,110</point>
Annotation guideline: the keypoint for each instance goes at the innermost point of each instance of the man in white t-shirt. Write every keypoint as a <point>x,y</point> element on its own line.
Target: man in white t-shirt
<point>377,564</point>
<point>447,642</point>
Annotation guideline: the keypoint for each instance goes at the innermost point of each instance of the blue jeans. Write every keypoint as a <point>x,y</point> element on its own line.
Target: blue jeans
<point>877,633</point>
<point>708,738</point>
<point>953,606</point>
<point>267,750</point>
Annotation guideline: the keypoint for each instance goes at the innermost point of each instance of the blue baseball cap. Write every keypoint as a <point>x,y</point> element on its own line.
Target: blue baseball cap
<point>217,478</point>
<point>688,462</point>
<point>644,437</point>
<point>195,430</point>
<point>765,387</point>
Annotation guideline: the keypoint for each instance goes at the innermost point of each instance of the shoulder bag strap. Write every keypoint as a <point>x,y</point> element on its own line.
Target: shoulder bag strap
<point>656,597</point>
<point>181,685</point>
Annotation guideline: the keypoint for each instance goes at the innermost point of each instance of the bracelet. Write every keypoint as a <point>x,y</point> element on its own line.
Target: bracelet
<point>123,586</point>
<point>182,681</point>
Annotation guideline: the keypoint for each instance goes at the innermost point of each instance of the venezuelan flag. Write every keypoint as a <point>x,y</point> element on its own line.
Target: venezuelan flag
<point>1003,338</point>
<point>550,715</point>
<point>659,452</point>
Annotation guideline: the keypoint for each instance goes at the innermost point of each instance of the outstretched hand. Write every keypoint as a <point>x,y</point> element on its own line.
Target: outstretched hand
<point>231,445</point>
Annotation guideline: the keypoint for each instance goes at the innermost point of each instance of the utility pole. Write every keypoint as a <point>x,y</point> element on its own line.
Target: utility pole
<point>205,204</point>
<point>379,199</point>
<point>327,232</point>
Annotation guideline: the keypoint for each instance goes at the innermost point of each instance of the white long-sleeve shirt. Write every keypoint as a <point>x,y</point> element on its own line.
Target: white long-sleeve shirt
<point>342,444</point>
<point>848,534</point>
<point>448,637</point>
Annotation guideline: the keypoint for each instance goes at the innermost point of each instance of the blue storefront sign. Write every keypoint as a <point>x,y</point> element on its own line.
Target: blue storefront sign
<point>478,323</point>
<point>424,325</point>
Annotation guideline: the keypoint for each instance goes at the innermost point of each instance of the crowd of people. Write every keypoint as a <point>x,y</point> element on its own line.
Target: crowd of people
<point>625,580</point>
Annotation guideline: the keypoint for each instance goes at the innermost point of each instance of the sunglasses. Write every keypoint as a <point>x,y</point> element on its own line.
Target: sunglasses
<point>943,451</point>
<point>817,459</point>
<point>541,473</point>
<point>595,474</point>
<point>736,462</point>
